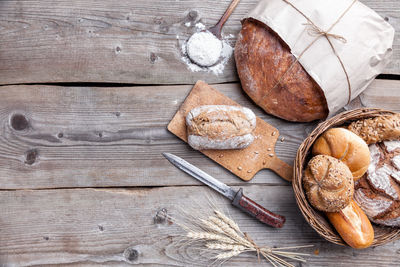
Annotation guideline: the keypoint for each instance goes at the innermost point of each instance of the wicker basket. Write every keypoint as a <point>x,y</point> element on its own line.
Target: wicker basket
<point>315,218</point>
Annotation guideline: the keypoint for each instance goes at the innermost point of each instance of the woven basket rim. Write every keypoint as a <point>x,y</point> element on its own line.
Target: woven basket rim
<point>316,219</point>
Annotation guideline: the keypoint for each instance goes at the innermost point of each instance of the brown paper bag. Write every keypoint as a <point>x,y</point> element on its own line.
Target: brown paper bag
<point>361,39</point>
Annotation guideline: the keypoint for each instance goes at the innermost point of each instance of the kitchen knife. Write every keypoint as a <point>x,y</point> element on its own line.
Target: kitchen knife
<point>238,199</point>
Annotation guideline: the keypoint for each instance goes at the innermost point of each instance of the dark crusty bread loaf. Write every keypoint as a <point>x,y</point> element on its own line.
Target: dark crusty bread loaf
<point>261,60</point>
<point>220,127</point>
<point>378,192</point>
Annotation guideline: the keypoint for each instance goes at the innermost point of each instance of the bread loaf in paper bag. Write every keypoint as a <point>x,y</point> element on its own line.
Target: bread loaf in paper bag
<point>303,60</point>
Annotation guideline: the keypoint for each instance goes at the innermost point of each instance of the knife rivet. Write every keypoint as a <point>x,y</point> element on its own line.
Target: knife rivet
<point>239,168</point>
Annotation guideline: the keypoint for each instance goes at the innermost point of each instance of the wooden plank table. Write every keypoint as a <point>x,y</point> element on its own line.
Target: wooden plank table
<point>82,178</point>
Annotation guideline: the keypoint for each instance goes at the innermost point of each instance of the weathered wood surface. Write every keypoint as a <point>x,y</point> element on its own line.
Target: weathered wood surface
<point>101,137</point>
<point>96,226</point>
<point>121,41</point>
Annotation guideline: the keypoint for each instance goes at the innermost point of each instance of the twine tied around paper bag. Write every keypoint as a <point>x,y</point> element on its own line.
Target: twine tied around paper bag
<point>314,30</point>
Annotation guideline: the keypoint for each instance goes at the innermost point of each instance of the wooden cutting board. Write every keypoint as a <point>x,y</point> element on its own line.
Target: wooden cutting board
<point>245,163</point>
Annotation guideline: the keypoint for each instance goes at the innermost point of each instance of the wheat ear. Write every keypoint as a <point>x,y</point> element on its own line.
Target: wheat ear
<point>227,255</point>
<point>210,236</point>
<point>228,221</point>
<point>229,230</point>
<point>225,246</point>
<point>209,226</point>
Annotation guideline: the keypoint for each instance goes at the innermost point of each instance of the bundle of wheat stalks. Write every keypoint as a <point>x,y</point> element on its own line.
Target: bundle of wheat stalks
<point>221,235</point>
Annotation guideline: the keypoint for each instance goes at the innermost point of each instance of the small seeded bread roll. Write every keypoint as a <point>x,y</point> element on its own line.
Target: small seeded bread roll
<point>328,183</point>
<point>375,130</point>
<point>220,127</point>
<point>345,146</point>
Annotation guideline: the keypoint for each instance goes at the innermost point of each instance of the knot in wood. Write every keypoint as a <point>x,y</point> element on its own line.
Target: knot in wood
<point>161,216</point>
<point>153,58</point>
<point>19,122</point>
<point>31,156</point>
<point>192,15</point>
<point>131,254</point>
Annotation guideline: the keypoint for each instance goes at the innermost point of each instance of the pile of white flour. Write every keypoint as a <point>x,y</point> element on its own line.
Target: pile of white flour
<point>204,48</point>
<point>210,53</point>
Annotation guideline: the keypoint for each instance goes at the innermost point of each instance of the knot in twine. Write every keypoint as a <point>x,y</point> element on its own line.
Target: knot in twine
<point>314,30</point>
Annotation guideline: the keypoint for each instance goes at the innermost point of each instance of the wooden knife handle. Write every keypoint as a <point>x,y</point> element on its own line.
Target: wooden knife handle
<point>253,209</point>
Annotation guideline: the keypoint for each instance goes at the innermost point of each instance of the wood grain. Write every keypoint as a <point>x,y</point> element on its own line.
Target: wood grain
<point>121,42</point>
<point>102,137</point>
<point>128,227</point>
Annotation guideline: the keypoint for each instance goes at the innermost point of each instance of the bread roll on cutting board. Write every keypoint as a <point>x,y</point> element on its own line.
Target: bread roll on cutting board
<point>220,127</point>
<point>353,226</point>
<point>246,162</point>
<point>346,146</point>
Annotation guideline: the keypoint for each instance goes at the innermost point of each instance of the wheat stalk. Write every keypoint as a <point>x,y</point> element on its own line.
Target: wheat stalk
<point>227,255</point>
<point>222,236</point>
<point>210,236</point>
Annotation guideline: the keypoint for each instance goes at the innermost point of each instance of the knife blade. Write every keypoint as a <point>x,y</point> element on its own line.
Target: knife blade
<point>238,199</point>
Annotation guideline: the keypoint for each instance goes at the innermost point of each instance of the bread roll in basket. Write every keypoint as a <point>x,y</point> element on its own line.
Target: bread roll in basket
<point>315,218</point>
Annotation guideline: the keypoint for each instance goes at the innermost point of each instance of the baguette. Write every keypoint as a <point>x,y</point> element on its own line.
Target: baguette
<point>353,226</point>
<point>220,127</point>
